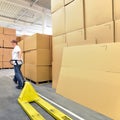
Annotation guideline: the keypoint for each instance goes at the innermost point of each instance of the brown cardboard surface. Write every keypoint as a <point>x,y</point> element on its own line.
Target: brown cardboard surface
<point>1,30</point>
<point>23,37</point>
<point>94,75</point>
<point>37,41</point>
<point>38,57</point>
<point>7,54</point>
<point>0,64</point>
<point>101,33</point>
<point>75,36</point>
<point>56,4</point>
<point>116,9</point>
<point>21,45</point>
<point>7,65</point>
<point>83,42</point>
<point>58,40</point>
<point>27,70</point>
<point>51,72</point>
<point>8,39</point>
<point>37,73</point>
<point>117,31</point>
<point>18,38</point>
<point>79,56</point>
<point>74,16</point>
<point>97,13</point>
<point>51,50</point>
<point>68,1</point>
<point>57,58</point>
<point>95,90</point>
<point>1,40</point>
<point>23,69</point>
<point>58,22</point>
<point>1,54</point>
<point>9,31</point>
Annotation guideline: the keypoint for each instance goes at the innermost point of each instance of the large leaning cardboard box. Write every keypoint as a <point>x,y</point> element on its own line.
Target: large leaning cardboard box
<point>38,57</point>
<point>37,41</point>
<point>58,22</point>
<point>98,12</point>
<point>90,76</point>
<point>74,16</point>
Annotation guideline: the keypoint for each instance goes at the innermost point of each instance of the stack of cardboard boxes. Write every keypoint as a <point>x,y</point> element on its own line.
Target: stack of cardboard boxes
<point>81,22</point>
<point>37,57</point>
<point>6,35</point>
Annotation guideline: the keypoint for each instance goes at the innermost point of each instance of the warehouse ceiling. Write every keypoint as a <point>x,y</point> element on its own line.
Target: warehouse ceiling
<point>26,16</point>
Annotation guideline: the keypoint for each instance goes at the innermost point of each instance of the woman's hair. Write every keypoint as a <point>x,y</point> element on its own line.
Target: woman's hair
<point>14,41</point>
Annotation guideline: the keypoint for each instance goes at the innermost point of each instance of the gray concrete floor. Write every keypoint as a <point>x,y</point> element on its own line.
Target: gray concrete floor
<point>10,109</point>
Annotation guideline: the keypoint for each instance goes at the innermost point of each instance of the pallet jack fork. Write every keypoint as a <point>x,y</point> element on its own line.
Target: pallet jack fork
<point>29,95</point>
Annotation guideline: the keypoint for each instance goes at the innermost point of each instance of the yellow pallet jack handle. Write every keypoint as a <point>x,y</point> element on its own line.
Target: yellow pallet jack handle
<point>29,95</point>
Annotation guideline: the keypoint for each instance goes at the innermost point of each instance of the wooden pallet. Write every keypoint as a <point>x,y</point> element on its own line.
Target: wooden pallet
<point>47,81</point>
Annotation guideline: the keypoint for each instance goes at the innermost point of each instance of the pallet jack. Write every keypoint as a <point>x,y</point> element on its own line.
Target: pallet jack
<point>29,95</point>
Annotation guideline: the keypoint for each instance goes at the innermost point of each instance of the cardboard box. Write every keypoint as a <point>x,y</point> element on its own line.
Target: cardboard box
<point>21,45</point>
<point>0,64</point>
<point>74,16</point>
<point>37,73</point>
<point>51,72</point>
<point>58,22</point>
<point>116,9</point>
<point>102,33</point>
<point>27,70</point>
<point>57,59</point>
<point>23,37</point>
<point>9,31</point>
<point>8,39</point>
<point>117,30</point>
<point>58,40</point>
<point>37,41</point>
<point>7,54</point>
<point>92,89</point>
<point>83,42</point>
<point>38,57</point>
<point>1,40</point>
<point>98,12</point>
<point>18,38</point>
<point>23,69</point>
<point>56,4</point>
<point>7,65</point>
<point>1,30</point>
<point>51,49</point>
<point>94,74</point>
<point>75,36</point>
<point>68,1</point>
<point>1,54</point>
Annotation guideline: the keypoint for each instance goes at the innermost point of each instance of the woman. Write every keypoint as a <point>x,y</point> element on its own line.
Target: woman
<point>17,55</point>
